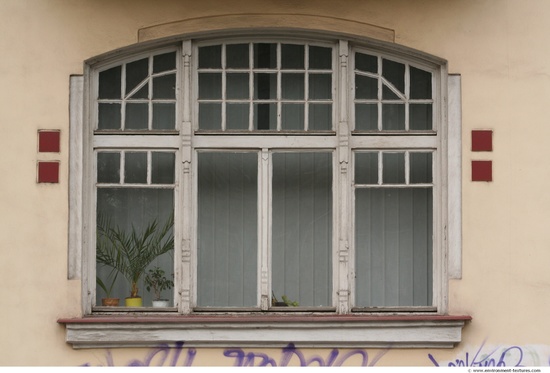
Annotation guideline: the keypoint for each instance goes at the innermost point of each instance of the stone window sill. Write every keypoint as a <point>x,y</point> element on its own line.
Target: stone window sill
<point>305,331</point>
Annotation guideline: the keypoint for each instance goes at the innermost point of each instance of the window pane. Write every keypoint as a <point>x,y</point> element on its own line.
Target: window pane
<point>394,72</point>
<point>420,117</point>
<point>293,86</point>
<point>110,83</point>
<point>227,229</point>
<point>164,62</point>
<point>135,168</point>
<point>265,86</point>
<point>292,56</point>
<point>162,168</point>
<point>118,218</point>
<point>366,168</point>
<point>210,116</point>
<point>164,87</point>
<point>421,168</point>
<point>320,58</point>
<point>365,62</point>
<point>393,168</point>
<point>109,116</point>
<point>108,167</point>
<point>137,116</point>
<point>237,56</point>
<point>421,84</point>
<point>210,86</point>
<point>136,72</point>
<point>237,116</point>
<point>293,117</point>
<point>265,116</point>
<point>366,117</point>
<point>366,88</point>
<point>393,241</point>
<point>320,117</point>
<point>210,57</point>
<point>237,86</point>
<point>302,227</point>
<point>388,94</point>
<point>320,86</point>
<point>164,116</point>
<point>393,117</point>
<point>265,56</point>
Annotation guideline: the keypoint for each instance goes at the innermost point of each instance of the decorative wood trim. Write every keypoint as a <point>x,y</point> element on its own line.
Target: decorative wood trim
<point>438,331</point>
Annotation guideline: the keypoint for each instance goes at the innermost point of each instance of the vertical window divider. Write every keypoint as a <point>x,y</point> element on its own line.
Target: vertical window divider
<point>149,167</point>
<point>150,98</point>
<point>306,87</point>
<point>279,86</point>
<point>407,167</point>
<point>407,95</point>
<point>250,86</point>
<point>265,236</point>
<point>122,167</point>
<point>224,87</point>
<point>123,97</point>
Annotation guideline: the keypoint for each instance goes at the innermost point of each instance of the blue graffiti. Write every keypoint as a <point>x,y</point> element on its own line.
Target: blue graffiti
<point>511,356</point>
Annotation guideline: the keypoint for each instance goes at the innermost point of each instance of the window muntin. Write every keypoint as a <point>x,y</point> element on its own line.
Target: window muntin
<point>279,91</point>
<point>265,86</point>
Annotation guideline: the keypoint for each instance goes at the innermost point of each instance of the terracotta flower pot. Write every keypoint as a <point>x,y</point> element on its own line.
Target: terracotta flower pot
<point>110,302</point>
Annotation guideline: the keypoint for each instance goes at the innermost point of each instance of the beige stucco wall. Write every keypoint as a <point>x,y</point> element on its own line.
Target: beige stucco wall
<point>498,46</point>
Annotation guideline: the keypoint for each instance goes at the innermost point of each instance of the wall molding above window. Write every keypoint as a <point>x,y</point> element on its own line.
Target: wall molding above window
<point>305,331</point>
<point>251,21</point>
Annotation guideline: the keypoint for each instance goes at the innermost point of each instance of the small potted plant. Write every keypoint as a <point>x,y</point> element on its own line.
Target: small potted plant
<point>108,300</point>
<point>156,281</point>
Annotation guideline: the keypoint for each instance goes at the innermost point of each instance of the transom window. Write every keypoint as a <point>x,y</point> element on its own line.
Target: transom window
<point>267,176</point>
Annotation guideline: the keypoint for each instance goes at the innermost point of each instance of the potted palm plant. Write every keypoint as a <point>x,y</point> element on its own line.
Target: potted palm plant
<point>156,280</point>
<point>108,300</point>
<point>131,251</point>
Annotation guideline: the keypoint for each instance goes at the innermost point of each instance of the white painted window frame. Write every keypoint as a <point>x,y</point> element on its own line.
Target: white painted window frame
<point>414,330</point>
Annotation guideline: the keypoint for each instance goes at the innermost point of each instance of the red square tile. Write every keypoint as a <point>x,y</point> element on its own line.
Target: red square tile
<point>482,141</point>
<point>48,172</point>
<point>49,141</point>
<point>482,171</point>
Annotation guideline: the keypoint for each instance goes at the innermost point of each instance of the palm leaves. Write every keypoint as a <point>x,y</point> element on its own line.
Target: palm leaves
<point>131,252</point>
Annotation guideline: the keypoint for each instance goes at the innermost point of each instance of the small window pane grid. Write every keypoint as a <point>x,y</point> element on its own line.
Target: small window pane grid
<point>139,95</point>
<point>265,87</point>
<point>270,88</point>
<point>391,96</point>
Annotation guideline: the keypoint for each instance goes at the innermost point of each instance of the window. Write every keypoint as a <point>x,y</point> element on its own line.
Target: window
<point>269,177</point>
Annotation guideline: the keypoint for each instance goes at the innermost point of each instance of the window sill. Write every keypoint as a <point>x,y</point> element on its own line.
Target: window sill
<point>337,331</point>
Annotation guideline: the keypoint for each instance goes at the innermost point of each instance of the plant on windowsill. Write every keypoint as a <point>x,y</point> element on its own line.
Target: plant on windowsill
<point>156,280</point>
<point>284,303</point>
<point>108,300</point>
<point>131,252</point>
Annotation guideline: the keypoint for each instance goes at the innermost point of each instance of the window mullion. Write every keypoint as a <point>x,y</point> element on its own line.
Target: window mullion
<point>264,223</point>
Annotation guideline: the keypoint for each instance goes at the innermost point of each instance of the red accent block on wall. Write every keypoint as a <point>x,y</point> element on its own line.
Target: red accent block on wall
<point>482,141</point>
<point>49,141</point>
<point>482,170</point>
<point>48,172</point>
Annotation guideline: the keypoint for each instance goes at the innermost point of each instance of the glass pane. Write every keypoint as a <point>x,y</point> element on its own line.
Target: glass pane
<point>420,117</point>
<point>265,116</point>
<point>110,83</point>
<point>393,117</point>
<point>237,56</point>
<point>320,86</point>
<point>265,86</point>
<point>164,87</point>
<point>388,94</point>
<point>210,116</point>
<point>292,56</point>
<point>366,117</point>
<point>227,229</point>
<point>421,84</point>
<point>292,86</point>
<point>320,58</point>
<point>109,116</point>
<point>137,116</point>
<point>164,116</point>
<point>162,171</point>
<point>122,225</point>
<point>302,228</point>
<point>210,86</point>
<point>143,92</point>
<point>366,168</point>
<point>393,168</point>
<point>394,72</point>
<point>237,86</point>
<point>366,88</point>
<point>265,56</point>
<point>293,117</point>
<point>237,116</point>
<point>393,240</point>
<point>210,57</point>
<point>365,62</point>
<point>108,167</point>
<point>320,117</point>
<point>135,168</point>
<point>421,168</point>
<point>164,62</point>
<point>136,72</point>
